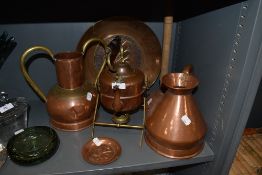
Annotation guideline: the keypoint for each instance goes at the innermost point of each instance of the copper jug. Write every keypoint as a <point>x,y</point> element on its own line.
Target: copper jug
<point>71,102</point>
<point>174,125</point>
<point>121,88</point>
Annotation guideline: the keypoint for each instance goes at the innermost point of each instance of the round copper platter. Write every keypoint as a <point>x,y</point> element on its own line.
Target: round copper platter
<point>144,49</point>
<point>106,153</point>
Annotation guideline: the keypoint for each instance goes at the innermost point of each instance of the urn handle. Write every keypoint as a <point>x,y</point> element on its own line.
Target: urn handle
<point>25,71</point>
<point>106,58</point>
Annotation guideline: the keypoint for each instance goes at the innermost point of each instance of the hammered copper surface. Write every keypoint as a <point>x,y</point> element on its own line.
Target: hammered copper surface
<point>174,125</point>
<point>106,153</point>
<point>143,46</point>
<point>119,100</point>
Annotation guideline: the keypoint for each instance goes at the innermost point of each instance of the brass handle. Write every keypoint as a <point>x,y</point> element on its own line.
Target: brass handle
<point>108,61</point>
<point>107,55</point>
<point>25,72</point>
<point>91,41</point>
<point>188,69</point>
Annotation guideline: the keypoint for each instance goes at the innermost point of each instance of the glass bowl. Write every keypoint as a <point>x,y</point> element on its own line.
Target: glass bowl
<point>34,145</point>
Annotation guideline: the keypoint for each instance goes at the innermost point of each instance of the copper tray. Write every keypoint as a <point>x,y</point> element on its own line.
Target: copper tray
<point>107,152</point>
<point>144,49</point>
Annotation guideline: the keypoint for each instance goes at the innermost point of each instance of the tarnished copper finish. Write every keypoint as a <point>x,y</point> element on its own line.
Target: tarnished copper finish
<point>71,102</point>
<point>174,125</point>
<point>139,40</point>
<point>69,108</point>
<point>106,153</point>
<point>116,99</point>
<point>69,69</point>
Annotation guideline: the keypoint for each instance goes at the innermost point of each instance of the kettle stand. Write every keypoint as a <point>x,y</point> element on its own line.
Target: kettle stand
<point>118,125</point>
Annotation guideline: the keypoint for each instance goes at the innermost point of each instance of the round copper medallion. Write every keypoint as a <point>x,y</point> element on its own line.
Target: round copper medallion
<point>101,151</point>
<point>139,41</point>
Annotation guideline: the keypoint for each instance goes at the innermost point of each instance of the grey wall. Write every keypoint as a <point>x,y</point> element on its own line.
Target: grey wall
<point>56,36</point>
<point>207,42</point>
<point>224,48</point>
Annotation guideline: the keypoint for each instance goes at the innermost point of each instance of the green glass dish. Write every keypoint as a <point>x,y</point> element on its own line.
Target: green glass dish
<point>33,146</point>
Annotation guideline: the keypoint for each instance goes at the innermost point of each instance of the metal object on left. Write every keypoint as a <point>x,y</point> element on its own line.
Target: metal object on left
<point>71,102</point>
<point>7,45</point>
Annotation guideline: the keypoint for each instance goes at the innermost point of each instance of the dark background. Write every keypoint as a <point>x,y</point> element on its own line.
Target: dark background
<point>12,11</point>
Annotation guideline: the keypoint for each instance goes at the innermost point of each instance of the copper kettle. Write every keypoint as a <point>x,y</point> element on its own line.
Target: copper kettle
<point>121,87</point>
<point>174,125</point>
<point>71,101</point>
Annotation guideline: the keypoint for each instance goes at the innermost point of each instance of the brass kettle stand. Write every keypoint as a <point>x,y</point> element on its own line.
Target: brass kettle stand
<point>117,125</point>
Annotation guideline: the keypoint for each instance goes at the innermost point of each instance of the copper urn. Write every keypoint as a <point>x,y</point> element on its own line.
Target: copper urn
<point>121,87</point>
<point>174,125</point>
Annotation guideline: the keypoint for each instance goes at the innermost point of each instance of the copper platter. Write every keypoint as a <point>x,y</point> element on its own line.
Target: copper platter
<point>141,43</point>
<point>108,151</point>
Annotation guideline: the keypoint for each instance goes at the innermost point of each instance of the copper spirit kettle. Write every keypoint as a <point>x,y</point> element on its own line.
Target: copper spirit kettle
<point>121,88</point>
<point>71,102</point>
<point>174,125</point>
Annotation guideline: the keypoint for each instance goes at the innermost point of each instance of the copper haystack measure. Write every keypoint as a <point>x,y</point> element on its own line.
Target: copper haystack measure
<point>174,125</point>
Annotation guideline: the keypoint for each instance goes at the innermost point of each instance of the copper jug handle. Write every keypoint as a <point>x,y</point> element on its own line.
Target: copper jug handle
<point>188,69</point>
<point>107,54</point>
<point>25,72</point>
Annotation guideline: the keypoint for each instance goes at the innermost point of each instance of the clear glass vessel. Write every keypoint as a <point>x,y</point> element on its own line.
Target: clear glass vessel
<point>13,116</point>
